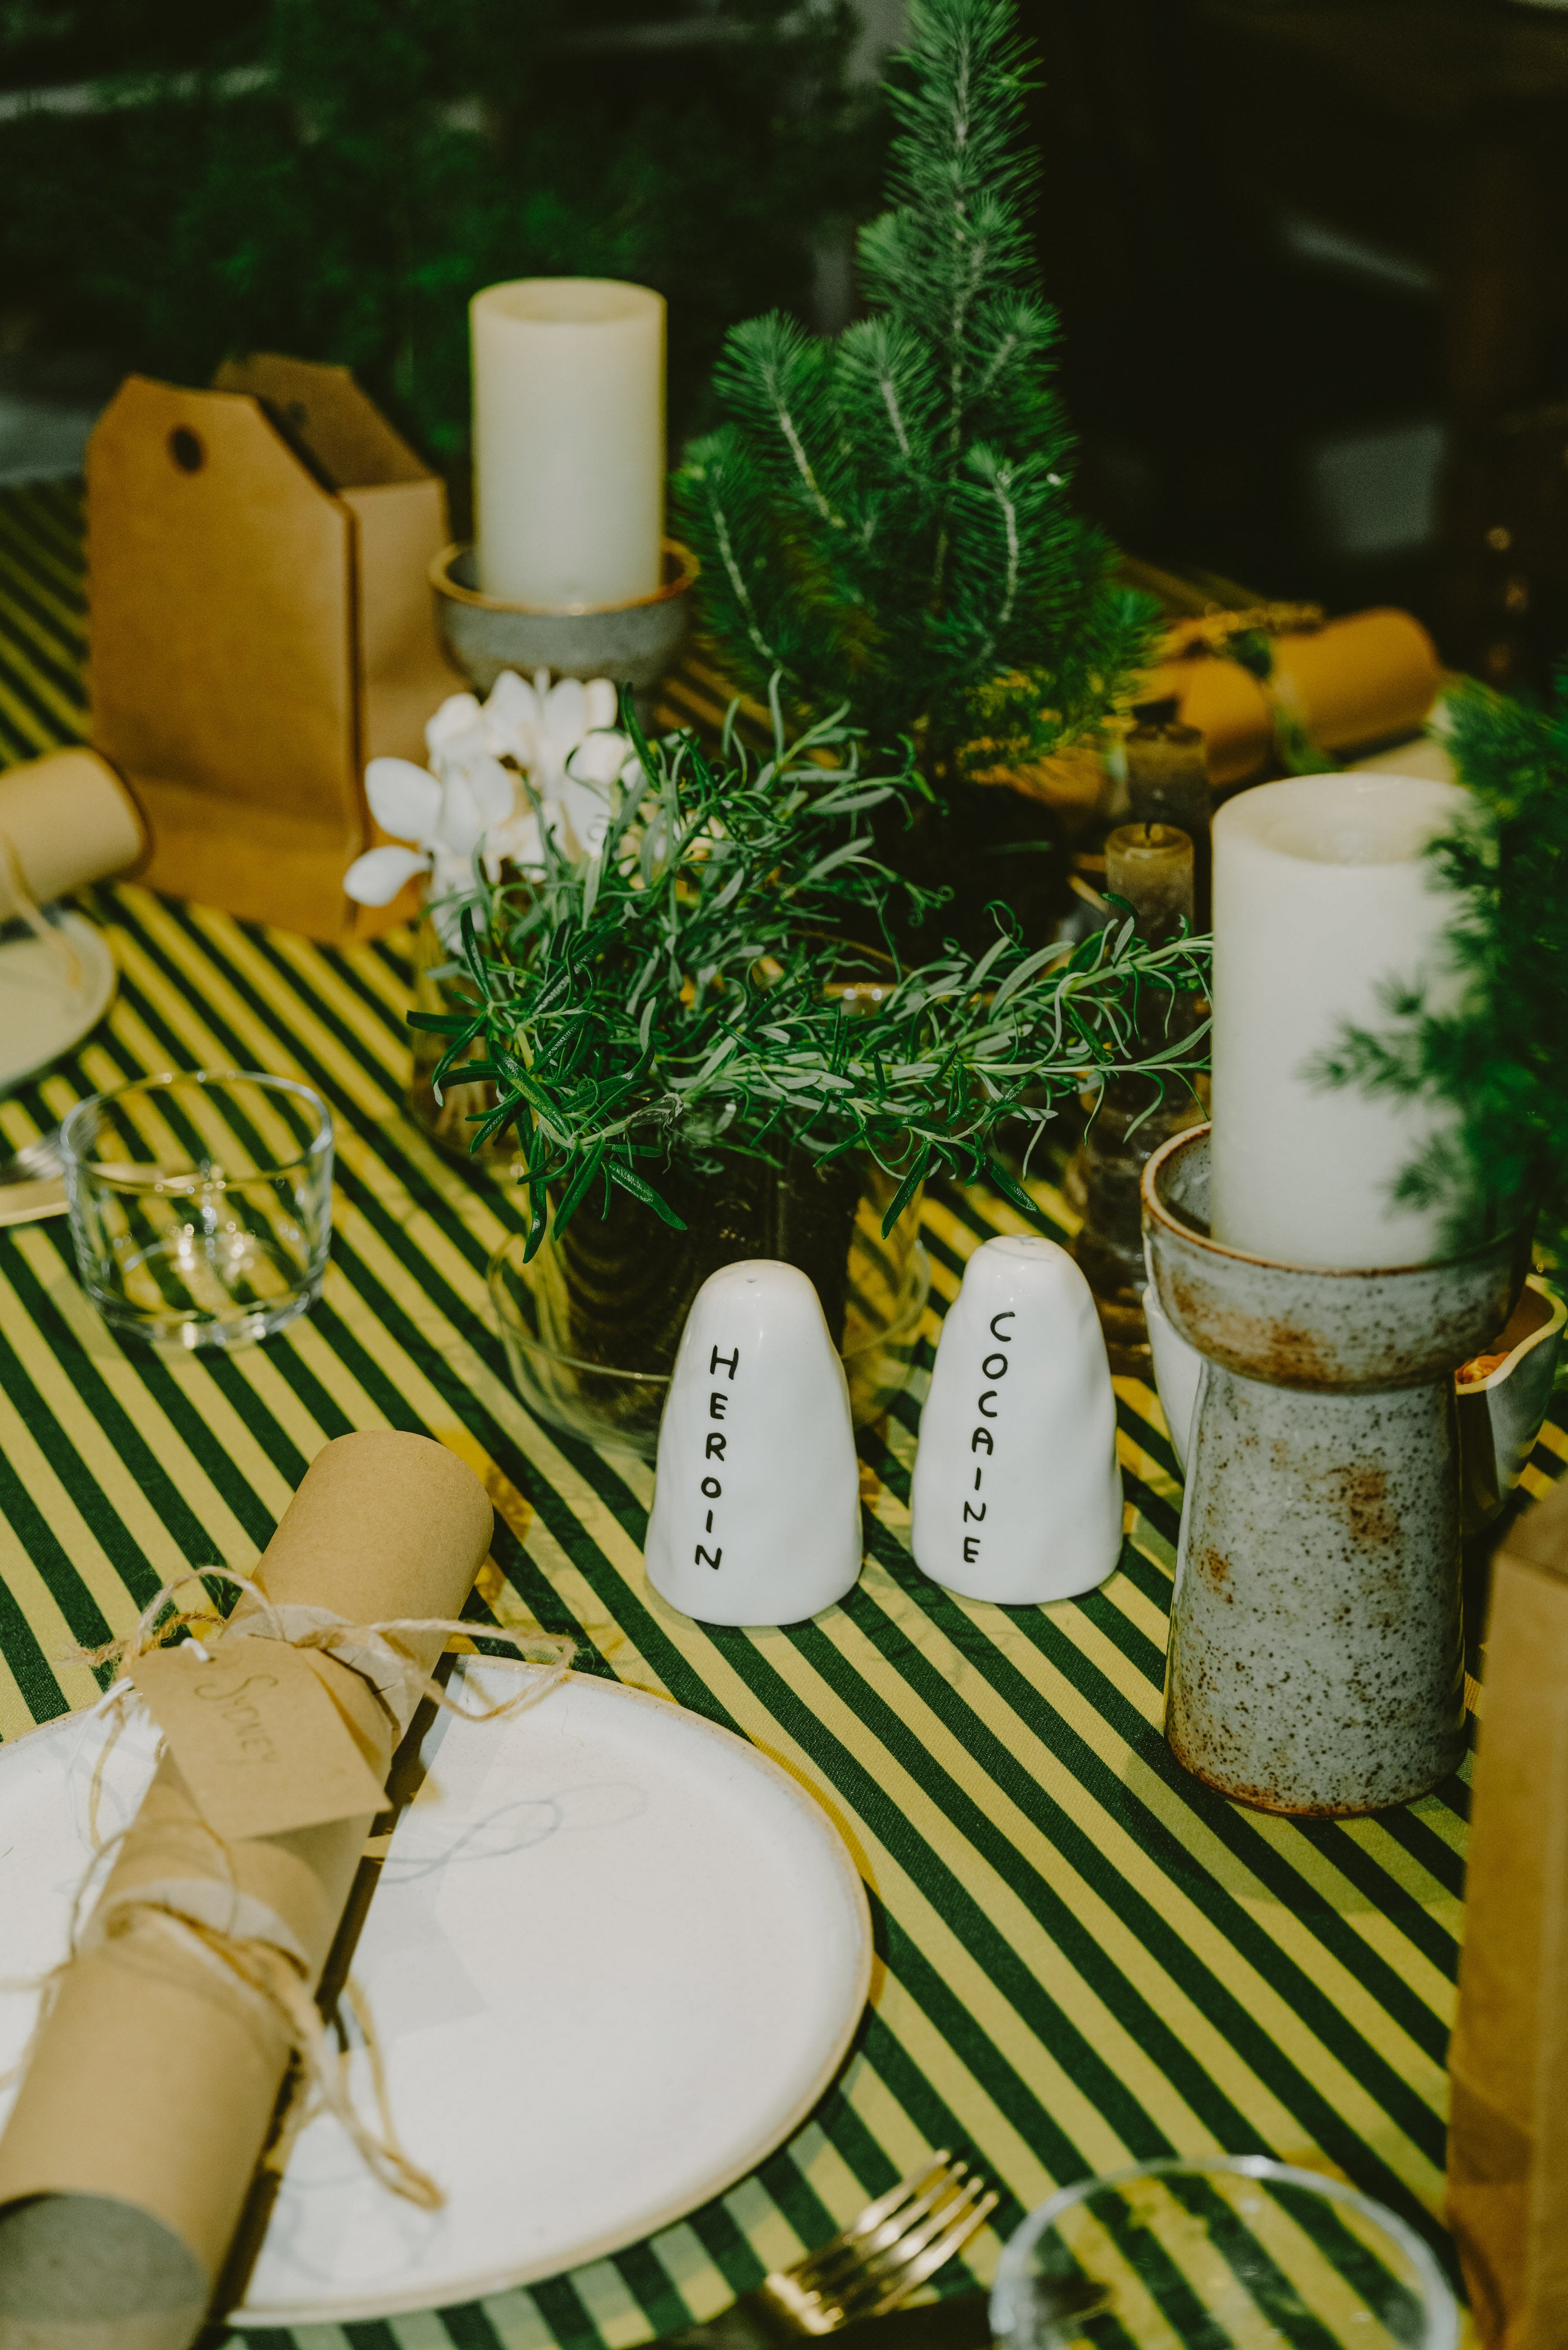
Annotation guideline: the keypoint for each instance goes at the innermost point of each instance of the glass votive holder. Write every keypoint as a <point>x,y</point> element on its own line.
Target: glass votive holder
<point>200,1206</point>
<point>1234,2253</point>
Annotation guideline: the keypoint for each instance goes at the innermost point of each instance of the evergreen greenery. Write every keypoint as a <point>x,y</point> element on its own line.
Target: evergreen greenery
<point>335,181</point>
<point>677,999</point>
<point>886,517</point>
<point>1498,1059</point>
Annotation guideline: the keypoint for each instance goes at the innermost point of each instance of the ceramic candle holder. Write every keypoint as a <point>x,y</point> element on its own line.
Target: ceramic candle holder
<point>633,643</point>
<point>1503,1396</point>
<point>1017,1496</point>
<point>756,1510</point>
<point>1316,1658</point>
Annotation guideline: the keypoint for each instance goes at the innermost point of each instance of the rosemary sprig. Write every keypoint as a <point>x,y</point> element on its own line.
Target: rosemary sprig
<point>693,992</point>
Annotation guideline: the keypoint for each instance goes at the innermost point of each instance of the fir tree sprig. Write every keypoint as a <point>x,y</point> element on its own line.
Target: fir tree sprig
<point>886,517</point>
<point>1492,1051</point>
<point>679,998</point>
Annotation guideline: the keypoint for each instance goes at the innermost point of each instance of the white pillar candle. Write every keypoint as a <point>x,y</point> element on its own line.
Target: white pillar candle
<point>1322,895</point>
<point>568,441</point>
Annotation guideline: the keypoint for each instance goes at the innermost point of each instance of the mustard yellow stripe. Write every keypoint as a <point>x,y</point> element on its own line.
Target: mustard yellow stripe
<point>369,967</point>
<point>419,1226</point>
<point>609,2303</point>
<point>232,1546</point>
<point>690,2267</point>
<point>517,2322</point>
<point>16,1714</point>
<point>1109,1932</point>
<point>27,1587</point>
<point>30,641</point>
<point>1143,1465</point>
<point>467,1197</point>
<point>62,587</point>
<point>1208,1942</point>
<point>34,731</point>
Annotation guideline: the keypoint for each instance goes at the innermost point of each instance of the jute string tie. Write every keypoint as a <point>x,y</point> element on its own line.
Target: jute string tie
<point>265,1973</point>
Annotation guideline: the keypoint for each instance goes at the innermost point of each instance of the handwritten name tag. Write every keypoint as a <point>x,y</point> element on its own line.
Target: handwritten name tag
<point>257,1740</point>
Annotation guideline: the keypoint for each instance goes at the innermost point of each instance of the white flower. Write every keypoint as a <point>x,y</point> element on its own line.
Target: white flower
<point>561,736</point>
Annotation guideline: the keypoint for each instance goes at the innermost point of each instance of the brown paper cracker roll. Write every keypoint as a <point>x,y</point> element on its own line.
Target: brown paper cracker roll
<point>1360,680</point>
<point>133,2144</point>
<point>65,820</point>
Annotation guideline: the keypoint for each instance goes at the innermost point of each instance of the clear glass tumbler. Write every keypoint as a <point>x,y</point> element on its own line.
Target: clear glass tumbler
<point>201,1205</point>
<point>1231,2253</point>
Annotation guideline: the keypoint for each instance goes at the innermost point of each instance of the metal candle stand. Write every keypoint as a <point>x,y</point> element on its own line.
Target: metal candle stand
<point>1316,1656</point>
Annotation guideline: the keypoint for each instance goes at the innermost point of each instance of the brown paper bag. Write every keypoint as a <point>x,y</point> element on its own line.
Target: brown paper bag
<point>149,2093</point>
<point>1507,2064</point>
<point>261,625</point>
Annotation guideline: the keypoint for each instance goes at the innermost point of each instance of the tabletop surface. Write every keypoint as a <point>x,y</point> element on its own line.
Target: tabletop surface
<point>1086,1958</point>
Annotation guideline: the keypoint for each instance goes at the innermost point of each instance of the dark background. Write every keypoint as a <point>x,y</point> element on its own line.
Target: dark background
<point>1312,260</point>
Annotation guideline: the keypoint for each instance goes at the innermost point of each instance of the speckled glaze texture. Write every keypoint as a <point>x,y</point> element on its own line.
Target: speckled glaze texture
<point>633,643</point>
<point>1317,1650</point>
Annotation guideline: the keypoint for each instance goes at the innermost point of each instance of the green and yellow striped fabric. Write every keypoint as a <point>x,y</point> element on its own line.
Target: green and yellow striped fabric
<point>1084,1959</point>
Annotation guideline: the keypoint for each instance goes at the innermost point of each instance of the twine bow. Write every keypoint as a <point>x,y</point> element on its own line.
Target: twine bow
<point>264,1973</point>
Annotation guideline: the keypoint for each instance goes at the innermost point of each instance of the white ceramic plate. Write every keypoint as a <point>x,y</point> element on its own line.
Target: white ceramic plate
<point>615,1957</point>
<point>42,1015</point>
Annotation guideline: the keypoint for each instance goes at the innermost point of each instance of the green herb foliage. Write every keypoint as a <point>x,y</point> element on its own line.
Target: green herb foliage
<point>886,517</point>
<point>679,997</point>
<point>1496,1060</point>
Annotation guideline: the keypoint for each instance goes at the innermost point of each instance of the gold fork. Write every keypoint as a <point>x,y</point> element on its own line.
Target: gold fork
<point>878,2260</point>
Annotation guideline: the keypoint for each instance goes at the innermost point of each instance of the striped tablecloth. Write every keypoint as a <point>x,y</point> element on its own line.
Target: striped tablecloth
<point>1085,1959</point>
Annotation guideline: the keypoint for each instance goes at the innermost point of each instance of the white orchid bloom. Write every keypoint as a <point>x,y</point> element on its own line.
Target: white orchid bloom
<point>511,717</point>
<point>561,736</point>
<point>442,819</point>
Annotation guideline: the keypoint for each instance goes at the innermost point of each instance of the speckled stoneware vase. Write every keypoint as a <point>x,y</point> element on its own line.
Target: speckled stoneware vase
<point>1316,1653</point>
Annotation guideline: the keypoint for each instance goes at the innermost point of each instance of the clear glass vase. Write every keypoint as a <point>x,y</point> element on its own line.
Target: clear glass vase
<point>592,1323</point>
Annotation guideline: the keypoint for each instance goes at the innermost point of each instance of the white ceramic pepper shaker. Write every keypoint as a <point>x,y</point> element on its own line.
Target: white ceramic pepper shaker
<point>756,1510</point>
<point>1017,1494</point>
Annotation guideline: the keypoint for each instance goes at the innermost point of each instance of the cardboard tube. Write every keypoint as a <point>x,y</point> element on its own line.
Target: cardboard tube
<point>67,820</point>
<point>1360,680</point>
<point>132,2148</point>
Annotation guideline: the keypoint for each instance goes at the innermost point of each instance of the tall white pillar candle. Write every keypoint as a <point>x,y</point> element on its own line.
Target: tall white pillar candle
<point>568,441</point>
<point>1322,895</point>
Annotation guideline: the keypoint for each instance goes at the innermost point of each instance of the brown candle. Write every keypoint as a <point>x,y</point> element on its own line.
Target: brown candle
<point>1167,783</point>
<point>1150,865</point>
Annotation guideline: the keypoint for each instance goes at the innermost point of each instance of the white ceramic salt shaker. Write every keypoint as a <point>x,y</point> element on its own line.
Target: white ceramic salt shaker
<point>1017,1494</point>
<point>756,1509</point>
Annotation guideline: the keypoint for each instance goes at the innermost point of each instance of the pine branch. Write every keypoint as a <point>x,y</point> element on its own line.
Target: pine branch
<point>1495,1059</point>
<point>895,529</point>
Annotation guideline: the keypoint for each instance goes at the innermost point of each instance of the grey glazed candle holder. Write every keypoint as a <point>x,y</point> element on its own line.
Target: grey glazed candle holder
<point>1316,1660</point>
<point>634,644</point>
